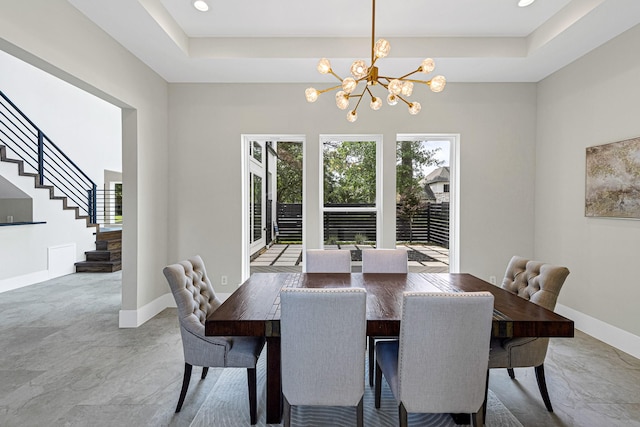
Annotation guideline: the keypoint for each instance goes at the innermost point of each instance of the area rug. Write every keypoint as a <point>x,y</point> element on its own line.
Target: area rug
<point>227,405</point>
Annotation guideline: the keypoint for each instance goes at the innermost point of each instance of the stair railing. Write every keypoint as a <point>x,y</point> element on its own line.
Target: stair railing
<point>42,157</point>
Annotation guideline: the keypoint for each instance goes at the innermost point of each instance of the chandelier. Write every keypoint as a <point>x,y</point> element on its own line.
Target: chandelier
<point>398,88</point>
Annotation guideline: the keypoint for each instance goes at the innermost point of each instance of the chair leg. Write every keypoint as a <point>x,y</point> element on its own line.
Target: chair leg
<point>251,381</point>
<point>512,374</point>
<point>360,413</point>
<point>484,404</point>
<point>286,412</point>
<point>372,362</point>
<point>477,419</point>
<point>205,370</point>
<point>542,385</point>
<point>185,385</point>
<point>378,387</point>
<point>402,414</point>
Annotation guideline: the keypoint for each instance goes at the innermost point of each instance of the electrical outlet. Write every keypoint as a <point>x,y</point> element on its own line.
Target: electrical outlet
<point>223,280</point>
<point>492,280</point>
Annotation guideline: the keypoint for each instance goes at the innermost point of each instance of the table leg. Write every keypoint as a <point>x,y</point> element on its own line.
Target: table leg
<point>274,381</point>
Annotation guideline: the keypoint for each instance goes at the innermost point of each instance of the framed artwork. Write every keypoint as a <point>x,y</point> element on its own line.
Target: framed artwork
<point>613,180</point>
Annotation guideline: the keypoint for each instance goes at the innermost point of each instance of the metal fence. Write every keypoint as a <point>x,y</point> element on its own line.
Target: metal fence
<point>430,225</point>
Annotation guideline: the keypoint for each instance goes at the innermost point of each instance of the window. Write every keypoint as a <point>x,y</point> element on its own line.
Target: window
<point>350,188</point>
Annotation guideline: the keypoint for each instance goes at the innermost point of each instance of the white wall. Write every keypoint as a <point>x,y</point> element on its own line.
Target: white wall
<point>86,128</point>
<point>33,253</point>
<point>496,123</point>
<point>54,36</point>
<point>590,102</point>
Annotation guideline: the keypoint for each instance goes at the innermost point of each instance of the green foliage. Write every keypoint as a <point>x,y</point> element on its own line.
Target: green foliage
<point>360,238</point>
<point>411,159</point>
<point>350,172</point>
<point>332,240</point>
<point>289,172</point>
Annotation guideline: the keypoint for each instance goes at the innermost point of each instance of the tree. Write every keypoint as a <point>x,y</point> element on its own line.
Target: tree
<point>410,203</point>
<point>289,172</point>
<point>350,172</point>
<point>411,159</point>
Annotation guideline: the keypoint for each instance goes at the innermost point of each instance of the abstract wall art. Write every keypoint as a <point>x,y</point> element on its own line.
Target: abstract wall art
<point>613,180</point>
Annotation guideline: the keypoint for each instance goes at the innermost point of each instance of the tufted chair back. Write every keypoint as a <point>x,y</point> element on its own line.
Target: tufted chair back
<point>195,299</point>
<point>539,283</point>
<point>535,281</point>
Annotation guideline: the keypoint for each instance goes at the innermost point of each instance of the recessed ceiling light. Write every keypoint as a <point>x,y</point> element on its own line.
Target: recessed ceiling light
<point>201,5</point>
<point>524,3</point>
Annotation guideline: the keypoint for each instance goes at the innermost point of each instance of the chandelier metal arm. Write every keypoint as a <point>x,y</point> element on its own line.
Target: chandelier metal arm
<point>335,75</point>
<point>330,88</point>
<point>373,31</point>
<point>427,82</point>
<point>360,98</point>
<point>403,100</point>
<point>399,88</point>
<point>417,70</point>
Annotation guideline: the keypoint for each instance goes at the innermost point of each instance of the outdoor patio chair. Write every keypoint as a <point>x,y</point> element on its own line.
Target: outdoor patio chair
<point>195,299</point>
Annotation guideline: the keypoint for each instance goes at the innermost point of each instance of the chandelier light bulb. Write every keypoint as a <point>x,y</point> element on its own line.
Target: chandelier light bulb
<point>324,66</point>
<point>349,84</point>
<point>342,100</point>
<point>311,94</point>
<point>381,48</point>
<point>398,88</point>
<point>437,84</point>
<point>395,87</point>
<point>359,69</point>
<point>427,66</point>
<point>376,103</point>
<point>407,88</point>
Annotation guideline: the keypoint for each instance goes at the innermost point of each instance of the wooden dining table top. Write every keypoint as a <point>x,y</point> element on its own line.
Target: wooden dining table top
<point>254,308</point>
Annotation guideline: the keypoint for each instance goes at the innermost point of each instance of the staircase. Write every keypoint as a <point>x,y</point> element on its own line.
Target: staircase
<point>37,184</point>
<point>23,143</point>
<point>107,257</point>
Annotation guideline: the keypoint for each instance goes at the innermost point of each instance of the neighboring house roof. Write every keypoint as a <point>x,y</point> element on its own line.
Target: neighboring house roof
<point>428,193</point>
<point>438,175</point>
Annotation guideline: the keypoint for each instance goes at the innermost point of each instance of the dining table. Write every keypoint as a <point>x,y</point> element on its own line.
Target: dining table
<point>254,310</point>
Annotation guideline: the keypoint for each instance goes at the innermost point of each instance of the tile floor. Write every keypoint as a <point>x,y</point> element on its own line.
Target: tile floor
<point>65,362</point>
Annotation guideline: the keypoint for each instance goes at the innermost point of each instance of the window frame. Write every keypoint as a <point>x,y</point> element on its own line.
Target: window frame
<point>377,138</point>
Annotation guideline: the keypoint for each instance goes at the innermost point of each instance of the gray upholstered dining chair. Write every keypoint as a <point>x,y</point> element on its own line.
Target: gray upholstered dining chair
<point>322,348</point>
<point>385,261</point>
<point>439,363</point>
<point>539,283</point>
<point>382,261</point>
<point>328,261</point>
<point>195,299</point>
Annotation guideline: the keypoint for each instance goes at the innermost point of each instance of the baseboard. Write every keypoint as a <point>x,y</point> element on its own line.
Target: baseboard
<point>25,280</point>
<point>135,318</point>
<point>612,335</point>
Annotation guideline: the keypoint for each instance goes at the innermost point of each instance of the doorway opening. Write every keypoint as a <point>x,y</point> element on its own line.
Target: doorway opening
<point>273,203</point>
<point>425,200</point>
